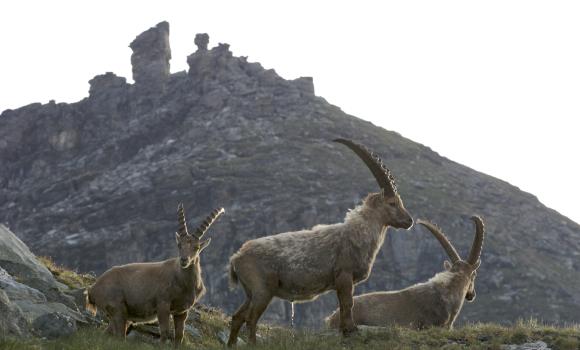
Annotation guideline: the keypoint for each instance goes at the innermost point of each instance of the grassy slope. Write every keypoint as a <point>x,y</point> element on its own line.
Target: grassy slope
<point>476,336</point>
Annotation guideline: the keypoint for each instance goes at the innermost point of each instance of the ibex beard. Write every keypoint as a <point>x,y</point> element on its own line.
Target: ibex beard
<point>300,265</point>
<point>143,292</point>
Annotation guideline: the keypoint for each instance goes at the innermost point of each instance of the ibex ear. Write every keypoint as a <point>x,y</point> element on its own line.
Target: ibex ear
<point>447,265</point>
<point>204,244</point>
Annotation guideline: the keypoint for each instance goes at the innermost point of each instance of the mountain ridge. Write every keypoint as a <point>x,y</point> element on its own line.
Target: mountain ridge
<point>96,183</point>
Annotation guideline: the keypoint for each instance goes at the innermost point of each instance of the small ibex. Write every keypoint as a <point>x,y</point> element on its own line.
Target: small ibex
<point>301,265</point>
<point>143,292</point>
<point>435,303</point>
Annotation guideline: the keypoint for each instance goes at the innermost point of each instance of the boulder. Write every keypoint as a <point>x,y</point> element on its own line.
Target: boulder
<point>53,325</point>
<point>12,321</point>
<point>20,263</point>
<point>31,300</point>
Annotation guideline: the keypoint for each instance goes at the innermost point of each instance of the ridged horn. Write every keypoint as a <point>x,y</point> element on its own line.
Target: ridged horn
<point>383,175</point>
<point>436,231</point>
<point>209,220</point>
<point>477,245</point>
<point>181,218</point>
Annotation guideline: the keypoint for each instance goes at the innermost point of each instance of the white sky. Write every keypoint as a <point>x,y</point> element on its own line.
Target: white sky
<point>494,85</point>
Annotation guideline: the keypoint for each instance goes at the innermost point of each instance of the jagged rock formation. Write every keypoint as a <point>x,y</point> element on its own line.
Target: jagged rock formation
<point>150,58</point>
<point>96,183</point>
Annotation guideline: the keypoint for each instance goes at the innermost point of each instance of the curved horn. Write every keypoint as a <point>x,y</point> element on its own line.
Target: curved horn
<point>436,231</point>
<point>181,218</point>
<point>383,175</point>
<point>475,252</point>
<point>201,230</point>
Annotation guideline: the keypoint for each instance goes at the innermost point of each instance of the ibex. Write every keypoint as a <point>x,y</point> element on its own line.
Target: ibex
<point>436,302</point>
<point>142,292</point>
<point>300,265</point>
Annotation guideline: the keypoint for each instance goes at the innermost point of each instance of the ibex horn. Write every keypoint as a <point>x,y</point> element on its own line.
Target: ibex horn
<point>202,229</point>
<point>383,175</point>
<point>477,245</point>
<point>181,218</point>
<point>445,243</point>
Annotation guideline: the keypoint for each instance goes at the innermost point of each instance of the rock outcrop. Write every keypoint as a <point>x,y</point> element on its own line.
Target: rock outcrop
<point>96,183</point>
<point>31,300</point>
<point>150,58</point>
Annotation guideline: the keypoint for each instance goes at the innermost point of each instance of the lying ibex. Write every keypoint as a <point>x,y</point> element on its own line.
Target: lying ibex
<point>300,265</point>
<point>436,302</point>
<point>142,292</point>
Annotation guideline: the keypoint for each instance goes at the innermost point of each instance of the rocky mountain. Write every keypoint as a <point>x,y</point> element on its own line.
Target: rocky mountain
<point>96,183</point>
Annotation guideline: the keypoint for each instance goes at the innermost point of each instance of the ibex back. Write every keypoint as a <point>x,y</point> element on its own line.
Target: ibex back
<point>301,265</point>
<point>142,292</point>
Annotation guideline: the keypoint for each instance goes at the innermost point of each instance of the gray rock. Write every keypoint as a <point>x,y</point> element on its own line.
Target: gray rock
<point>201,41</point>
<point>192,331</point>
<point>137,336</point>
<point>151,329</point>
<point>150,58</point>
<point>25,309</point>
<point>12,321</point>
<point>194,316</point>
<point>224,336</point>
<point>305,84</point>
<point>54,325</point>
<point>29,309</point>
<point>539,345</point>
<point>19,262</point>
<point>106,83</point>
<point>32,311</point>
<point>17,291</point>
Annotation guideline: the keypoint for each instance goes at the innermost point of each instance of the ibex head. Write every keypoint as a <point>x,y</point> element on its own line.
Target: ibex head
<point>190,245</point>
<point>388,200</point>
<point>467,268</point>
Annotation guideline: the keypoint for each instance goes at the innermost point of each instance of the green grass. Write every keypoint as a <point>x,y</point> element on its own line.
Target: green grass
<point>476,336</point>
<point>213,321</point>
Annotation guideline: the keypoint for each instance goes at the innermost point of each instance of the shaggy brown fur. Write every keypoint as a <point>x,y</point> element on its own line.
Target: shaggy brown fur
<point>300,265</point>
<point>143,292</point>
<point>436,302</point>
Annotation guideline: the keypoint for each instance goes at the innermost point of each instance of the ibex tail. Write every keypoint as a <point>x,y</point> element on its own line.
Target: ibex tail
<point>233,276</point>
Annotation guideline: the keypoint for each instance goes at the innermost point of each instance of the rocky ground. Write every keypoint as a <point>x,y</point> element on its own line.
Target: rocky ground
<point>96,183</point>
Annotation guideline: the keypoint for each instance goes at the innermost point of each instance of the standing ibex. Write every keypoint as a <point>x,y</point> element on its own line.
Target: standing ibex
<point>300,265</point>
<point>436,302</point>
<point>142,292</point>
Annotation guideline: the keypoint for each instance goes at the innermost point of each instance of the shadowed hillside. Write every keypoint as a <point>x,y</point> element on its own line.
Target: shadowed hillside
<point>96,183</point>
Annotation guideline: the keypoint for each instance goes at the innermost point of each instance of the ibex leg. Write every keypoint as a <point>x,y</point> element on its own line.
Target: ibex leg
<point>258,305</point>
<point>179,323</point>
<point>117,320</point>
<point>238,320</point>
<point>344,290</point>
<point>163,318</point>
